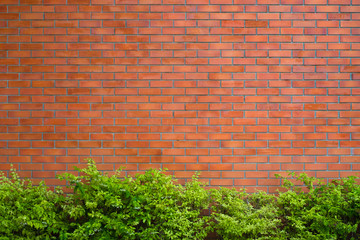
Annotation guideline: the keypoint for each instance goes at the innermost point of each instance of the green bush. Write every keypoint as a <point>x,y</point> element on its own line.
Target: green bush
<point>27,211</point>
<point>328,211</point>
<point>242,216</point>
<point>149,206</point>
<point>152,206</point>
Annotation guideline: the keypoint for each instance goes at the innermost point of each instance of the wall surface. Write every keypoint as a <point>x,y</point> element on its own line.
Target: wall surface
<point>236,89</point>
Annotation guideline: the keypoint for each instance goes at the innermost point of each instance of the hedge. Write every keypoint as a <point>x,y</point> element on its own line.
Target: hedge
<point>153,206</point>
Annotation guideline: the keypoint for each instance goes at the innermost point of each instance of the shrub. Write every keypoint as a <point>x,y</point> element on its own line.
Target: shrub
<point>27,211</point>
<point>328,211</point>
<point>150,206</point>
<point>242,216</point>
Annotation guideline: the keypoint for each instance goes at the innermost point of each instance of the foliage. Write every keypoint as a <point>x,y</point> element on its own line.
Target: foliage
<point>324,211</point>
<point>152,206</point>
<point>149,206</point>
<point>242,216</point>
<point>327,211</point>
<point>27,211</point>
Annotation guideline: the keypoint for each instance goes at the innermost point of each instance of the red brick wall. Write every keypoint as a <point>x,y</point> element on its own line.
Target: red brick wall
<point>236,89</point>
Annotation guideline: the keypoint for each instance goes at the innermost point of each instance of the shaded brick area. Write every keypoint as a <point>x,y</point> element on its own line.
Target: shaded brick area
<point>236,89</point>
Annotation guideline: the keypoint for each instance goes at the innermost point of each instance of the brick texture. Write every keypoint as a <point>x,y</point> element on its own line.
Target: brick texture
<point>236,89</point>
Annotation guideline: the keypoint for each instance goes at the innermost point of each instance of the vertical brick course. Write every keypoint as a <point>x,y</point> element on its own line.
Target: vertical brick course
<point>238,90</point>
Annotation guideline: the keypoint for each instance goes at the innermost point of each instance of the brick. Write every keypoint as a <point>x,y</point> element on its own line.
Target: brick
<point>229,88</point>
